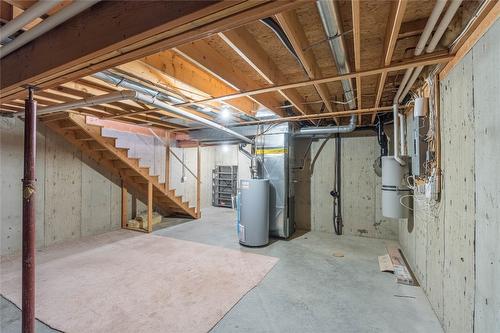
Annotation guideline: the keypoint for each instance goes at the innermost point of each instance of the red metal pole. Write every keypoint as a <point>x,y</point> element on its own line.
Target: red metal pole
<point>29,217</point>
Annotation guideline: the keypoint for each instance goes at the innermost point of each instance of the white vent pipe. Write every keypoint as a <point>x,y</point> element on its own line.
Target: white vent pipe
<point>51,22</point>
<point>440,30</point>
<point>396,136</point>
<point>424,37</point>
<point>35,11</point>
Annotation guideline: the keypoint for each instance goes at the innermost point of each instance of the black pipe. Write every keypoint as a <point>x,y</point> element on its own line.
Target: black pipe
<point>276,28</point>
<point>338,218</point>
<point>336,192</point>
<point>29,216</point>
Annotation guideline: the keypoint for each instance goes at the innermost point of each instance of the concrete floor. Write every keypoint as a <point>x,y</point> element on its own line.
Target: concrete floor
<point>309,290</point>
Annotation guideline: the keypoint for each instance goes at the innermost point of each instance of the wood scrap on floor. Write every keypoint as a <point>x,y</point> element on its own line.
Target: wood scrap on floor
<point>141,221</point>
<point>385,263</point>
<point>400,268</point>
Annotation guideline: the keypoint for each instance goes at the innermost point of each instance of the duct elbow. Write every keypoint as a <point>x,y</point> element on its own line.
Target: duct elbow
<point>328,130</point>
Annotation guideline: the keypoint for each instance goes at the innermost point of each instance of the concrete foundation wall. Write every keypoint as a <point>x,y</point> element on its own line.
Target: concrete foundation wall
<point>361,189</point>
<point>74,197</point>
<point>453,245</point>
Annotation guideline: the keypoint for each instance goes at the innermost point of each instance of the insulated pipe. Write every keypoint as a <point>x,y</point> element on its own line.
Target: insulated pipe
<point>330,17</point>
<point>395,135</point>
<point>140,97</point>
<point>440,30</point>
<point>327,130</point>
<point>424,37</point>
<point>51,22</point>
<point>35,11</point>
<point>29,216</point>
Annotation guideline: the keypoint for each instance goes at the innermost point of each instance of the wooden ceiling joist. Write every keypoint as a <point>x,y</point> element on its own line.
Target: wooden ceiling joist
<point>145,27</point>
<point>202,54</point>
<point>178,68</point>
<point>295,33</point>
<point>393,29</point>
<point>424,60</point>
<point>245,45</point>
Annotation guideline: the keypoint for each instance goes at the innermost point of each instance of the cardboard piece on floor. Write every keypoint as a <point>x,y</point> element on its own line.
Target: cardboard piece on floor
<point>385,264</point>
<point>401,270</point>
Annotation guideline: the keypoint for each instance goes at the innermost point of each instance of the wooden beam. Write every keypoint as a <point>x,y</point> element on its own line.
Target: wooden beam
<point>150,206</point>
<point>356,31</point>
<point>411,28</point>
<point>424,60</point>
<point>245,45</point>
<point>392,32</point>
<point>295,33</point>
<point>178,68</point>
<point>124,205</point>
<point>205,56</point>
<point>6,12</point>
<point>146,27</point>
<point>472,36</point>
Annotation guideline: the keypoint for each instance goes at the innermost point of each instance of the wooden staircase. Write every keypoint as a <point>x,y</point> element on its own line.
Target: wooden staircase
<point>90,140</point>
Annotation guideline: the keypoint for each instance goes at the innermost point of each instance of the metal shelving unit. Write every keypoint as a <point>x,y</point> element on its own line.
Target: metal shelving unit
<point>224,185</point>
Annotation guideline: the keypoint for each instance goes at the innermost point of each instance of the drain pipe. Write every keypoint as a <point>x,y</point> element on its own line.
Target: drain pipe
<point>38,9</point>
<point>139,97</point>
<point>424,37</point>
<point>327,130</point>
<point>440,30</point>
<point>49,23</point>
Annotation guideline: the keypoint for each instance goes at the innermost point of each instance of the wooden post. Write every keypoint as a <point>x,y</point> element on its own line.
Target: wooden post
<point>150,206</point>
<point>198,182</point>
<point>167,161</point>
<point>124,205</point>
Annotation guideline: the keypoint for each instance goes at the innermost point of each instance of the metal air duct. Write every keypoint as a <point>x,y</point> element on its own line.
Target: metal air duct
<point>139,97</point>
<point>327,130</point>
<point>330,17</point>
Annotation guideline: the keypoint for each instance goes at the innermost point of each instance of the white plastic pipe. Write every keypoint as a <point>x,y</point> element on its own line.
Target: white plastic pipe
<point>35,11</point>
<point>402,137</point>
<point>422,41</point>
<point>51,22</point>
<point>440,30</point>
<point>443,25</point>
<point>395,135</point>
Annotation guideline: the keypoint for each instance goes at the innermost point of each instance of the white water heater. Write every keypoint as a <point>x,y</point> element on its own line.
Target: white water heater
<point>396,194</point>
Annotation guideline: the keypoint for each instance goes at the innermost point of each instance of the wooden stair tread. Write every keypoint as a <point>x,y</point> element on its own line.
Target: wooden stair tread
<point>89,139</point>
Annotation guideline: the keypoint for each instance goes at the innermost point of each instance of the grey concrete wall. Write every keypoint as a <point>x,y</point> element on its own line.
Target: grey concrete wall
<point>361,209</point>
<point>453,245</point>
<point>74,197</point>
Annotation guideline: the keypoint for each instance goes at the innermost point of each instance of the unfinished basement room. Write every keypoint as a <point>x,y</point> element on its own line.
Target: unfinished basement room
<point>263,166</point>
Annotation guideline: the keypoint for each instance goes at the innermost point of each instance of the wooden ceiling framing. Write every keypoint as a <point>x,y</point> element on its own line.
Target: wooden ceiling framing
<point>230,58</point>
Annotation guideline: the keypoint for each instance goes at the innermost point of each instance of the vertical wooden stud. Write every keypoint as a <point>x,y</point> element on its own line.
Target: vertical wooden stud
<point>124,205</point>
<point>167,161</point>
<point>150,206</point>
<point>198,182</point>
